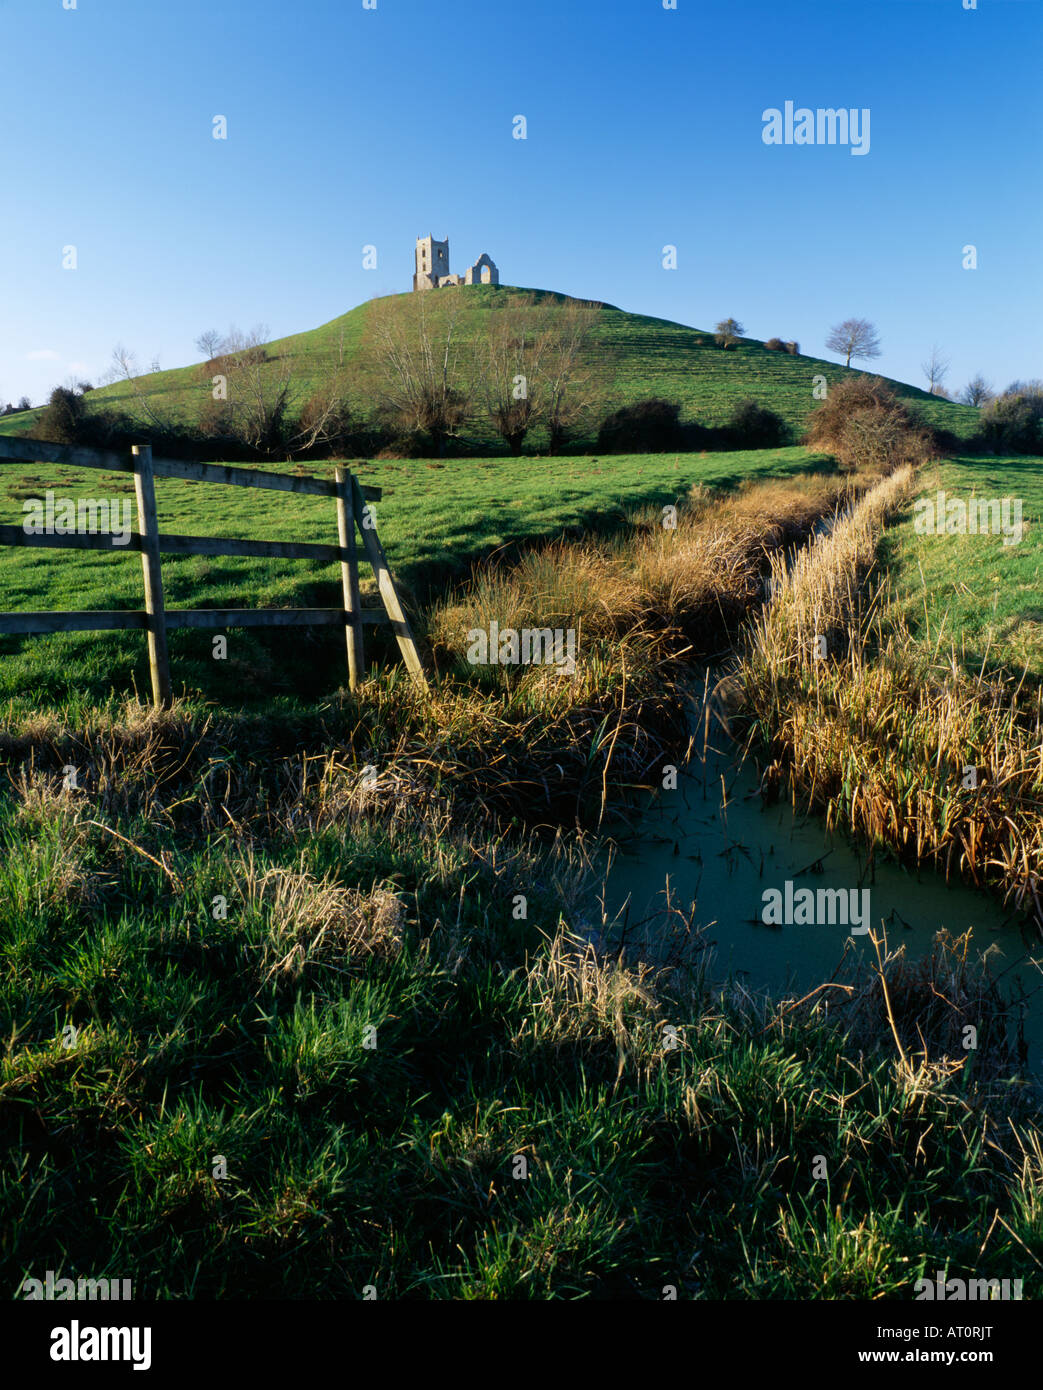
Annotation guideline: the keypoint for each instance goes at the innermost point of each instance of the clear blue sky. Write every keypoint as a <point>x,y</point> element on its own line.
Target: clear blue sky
<point>349,127</point>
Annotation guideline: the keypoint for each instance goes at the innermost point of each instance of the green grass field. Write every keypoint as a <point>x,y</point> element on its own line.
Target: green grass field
<point>973,590</point>
<point>270,1034</point>
<point>633,356</point>
<point>436,519</point>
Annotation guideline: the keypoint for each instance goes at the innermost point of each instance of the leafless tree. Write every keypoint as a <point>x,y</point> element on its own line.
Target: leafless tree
<point>568,387</point>
<point>977,391</point>
<point>254,388</point>
<point>208,344</point>
<point>125,367</point>
<point>325,417</point>
<point>510,376</point>
<point>853,338</point>
<point>935,369</point>
<point>421,376</point>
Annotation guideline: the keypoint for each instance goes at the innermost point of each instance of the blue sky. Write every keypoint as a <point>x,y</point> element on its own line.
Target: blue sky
<point>350,127</point>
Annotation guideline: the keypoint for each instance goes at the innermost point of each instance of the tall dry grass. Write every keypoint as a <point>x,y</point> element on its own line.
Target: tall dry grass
<point>882,733</point>
<point>656,594</point>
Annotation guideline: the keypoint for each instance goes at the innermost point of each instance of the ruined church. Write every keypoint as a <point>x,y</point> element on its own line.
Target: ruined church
<point>432,267</point>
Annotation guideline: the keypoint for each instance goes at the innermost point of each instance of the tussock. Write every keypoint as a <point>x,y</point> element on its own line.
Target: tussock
<point>577,995</point>
<point>317,921</point>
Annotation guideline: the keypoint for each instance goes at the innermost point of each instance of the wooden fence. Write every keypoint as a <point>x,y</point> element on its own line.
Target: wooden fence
<point>155,618</point>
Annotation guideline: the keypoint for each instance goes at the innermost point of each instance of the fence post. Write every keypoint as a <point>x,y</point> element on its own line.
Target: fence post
<point>386,585</point>
<point>349,573</point>
<point>148,526</point>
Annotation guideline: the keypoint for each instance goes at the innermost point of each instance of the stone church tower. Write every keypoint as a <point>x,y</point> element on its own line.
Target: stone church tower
<point>432,262</point>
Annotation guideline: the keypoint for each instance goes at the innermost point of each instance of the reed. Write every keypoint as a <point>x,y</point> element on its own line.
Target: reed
<point>886,734</point>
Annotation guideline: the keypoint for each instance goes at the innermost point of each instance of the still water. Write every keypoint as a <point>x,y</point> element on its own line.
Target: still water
<point>711,841</point>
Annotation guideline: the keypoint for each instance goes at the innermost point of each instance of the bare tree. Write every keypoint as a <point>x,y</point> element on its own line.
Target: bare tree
<point>209,344</point>
<point>125,367</point>
<point>325,417</point>
<point>255,390</point>
<point>510,361</point>
<point>728,332</point>
<point>251,395</point>
<point>853,338</point>
<point>935,369</point>
<point>421,376</point>
<point>568,387</point>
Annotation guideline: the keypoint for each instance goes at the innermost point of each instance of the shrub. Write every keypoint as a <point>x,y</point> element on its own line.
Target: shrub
<point>406,446</point>
<point>775,345</point>
<point>754,426</point>
<point>697,438</point>
<point>1013,422</point>
<point>648,426</point>
<point>64,421</point>
<point>862,423</point>
<point>874,438</point>
<point>325,423</point>
<point>793,349</point>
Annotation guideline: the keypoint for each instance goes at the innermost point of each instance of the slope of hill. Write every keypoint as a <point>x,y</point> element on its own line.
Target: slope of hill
<point>632,355</point>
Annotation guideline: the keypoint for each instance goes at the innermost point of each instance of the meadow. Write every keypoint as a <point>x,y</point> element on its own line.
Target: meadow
<point>436,520</point>
<point>973,590</point>
<point>273,1029</point>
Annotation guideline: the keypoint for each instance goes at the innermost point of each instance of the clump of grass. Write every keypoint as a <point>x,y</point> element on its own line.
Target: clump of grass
<point>664,590</point>
<point>318,920</point>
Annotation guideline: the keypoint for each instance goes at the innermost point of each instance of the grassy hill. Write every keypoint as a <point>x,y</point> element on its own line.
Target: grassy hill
<point>633,356</point>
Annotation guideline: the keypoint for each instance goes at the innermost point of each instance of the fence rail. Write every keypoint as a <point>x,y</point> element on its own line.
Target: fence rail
<point>155,619</point>
<point>24,450</point>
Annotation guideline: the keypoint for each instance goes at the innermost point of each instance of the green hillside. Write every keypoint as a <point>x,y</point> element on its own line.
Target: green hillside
<point>632,355</point>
